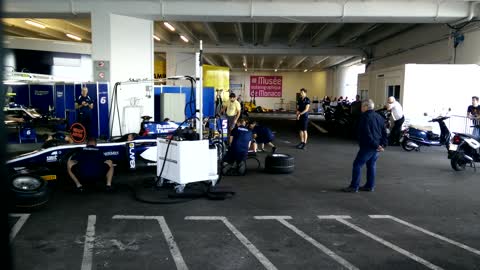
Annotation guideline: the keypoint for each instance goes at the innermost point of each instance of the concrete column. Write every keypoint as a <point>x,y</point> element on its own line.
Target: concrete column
<point>124,41</point>
<point>126,44</point>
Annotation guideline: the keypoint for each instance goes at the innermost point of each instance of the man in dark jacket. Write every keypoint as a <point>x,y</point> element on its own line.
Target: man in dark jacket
<point>372,139</point>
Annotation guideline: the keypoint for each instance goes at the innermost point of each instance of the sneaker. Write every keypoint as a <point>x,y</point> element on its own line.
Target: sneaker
<point>261,150</point>
<point>79,189</point>
<point>109,188</point>
<point>300,145</point>
<point>274,149</point>
<point>350,189</point>
<point>366,189</point>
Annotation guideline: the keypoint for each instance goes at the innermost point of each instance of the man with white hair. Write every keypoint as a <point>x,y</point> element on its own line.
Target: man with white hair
<point>397,115</point>
<point>372,139</point>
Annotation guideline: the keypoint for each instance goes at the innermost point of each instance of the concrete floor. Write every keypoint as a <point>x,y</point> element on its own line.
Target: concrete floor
<point>251,230</point>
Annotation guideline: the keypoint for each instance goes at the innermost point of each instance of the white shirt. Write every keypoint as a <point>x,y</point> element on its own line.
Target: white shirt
<point>397,110</point>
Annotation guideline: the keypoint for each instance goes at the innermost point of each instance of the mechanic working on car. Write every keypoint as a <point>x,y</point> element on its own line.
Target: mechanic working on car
<point>261,135</point>
<point>240,139</point>
<point>84,105</point>
<point>90,165</point>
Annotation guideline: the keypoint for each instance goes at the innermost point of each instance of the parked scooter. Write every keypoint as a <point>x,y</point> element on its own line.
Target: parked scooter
<point>415,136</point>
<point>464,150</point>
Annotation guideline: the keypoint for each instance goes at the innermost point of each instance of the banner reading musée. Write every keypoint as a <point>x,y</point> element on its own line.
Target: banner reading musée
<point>266,86</point>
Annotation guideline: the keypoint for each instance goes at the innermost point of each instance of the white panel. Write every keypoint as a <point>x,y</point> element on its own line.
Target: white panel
<point>172,106</point>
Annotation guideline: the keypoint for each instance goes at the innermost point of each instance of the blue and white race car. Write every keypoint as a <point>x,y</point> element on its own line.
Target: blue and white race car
<point>30,173</point>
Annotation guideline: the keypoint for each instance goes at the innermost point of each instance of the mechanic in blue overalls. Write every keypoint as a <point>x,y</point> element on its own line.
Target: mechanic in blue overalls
<point>90,165</point>
<point>261,135</point>
<point>240,139</point>
<point>84,105</point>
<point>303,107</point>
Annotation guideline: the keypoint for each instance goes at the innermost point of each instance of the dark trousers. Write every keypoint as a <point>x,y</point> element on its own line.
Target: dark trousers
<point>369,157</point>
<point>396,130</point>
<point>86,123</point>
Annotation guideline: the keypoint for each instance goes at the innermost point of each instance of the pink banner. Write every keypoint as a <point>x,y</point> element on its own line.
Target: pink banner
<point>266,86</point>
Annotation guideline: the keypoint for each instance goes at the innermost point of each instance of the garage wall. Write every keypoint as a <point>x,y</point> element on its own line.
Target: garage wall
<point>315,82</point>
<point>426,44</point>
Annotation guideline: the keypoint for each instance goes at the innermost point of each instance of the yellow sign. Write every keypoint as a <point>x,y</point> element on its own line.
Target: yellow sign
<point>159,69</point>
<point>217,77</point>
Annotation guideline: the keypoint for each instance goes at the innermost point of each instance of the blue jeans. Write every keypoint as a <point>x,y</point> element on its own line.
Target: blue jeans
<point>364,156</point>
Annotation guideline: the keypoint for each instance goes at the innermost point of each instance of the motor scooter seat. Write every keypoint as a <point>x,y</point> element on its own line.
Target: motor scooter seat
<point>424,128</point>
<point>475,137</point>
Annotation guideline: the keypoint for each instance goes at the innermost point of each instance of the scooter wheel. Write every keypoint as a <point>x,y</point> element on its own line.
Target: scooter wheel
<point>458,163</point>
<point>406,147</point>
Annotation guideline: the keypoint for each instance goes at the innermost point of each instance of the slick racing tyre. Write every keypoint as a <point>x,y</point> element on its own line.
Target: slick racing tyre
<point>279,163</point>
<point>29,191</point>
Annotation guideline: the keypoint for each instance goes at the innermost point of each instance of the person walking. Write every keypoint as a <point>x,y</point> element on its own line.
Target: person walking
<point>372,139</point>
<point>397,114</point>
<point>303,107</point>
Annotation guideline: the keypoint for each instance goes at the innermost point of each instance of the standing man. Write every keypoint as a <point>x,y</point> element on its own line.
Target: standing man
<point>233,111</point>
<point>303,107</point>
<point>398,118</point>
<point>84,105</point>
<point>473,113</point>
<point>372,139</point>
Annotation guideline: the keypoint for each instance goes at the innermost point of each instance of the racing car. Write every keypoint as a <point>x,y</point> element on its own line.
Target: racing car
<point>30,174</point>
<point>19,118</point>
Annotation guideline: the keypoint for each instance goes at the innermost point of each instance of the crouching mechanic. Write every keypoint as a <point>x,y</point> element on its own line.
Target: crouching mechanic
<point>240,139</point>
<point>261,136</point>
<point>90,165</point>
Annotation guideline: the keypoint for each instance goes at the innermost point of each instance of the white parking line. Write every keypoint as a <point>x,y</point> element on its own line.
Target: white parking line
<point>443,238</point>
<point>172,245</point>
<point>89,243</point>
<point>254,250</point>
<point>18,225</point>
<point>324,249</point>
<point>384,242</point>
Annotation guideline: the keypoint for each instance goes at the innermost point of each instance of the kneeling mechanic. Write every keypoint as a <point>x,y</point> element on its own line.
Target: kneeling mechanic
<point>90,165</point>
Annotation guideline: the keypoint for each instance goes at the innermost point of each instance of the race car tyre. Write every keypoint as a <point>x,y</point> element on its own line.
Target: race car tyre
<point>279,163</point>
<point>29,197</point>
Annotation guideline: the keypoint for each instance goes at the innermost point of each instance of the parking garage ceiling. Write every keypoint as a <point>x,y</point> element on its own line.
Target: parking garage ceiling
<point>253,34</point>
<point>283,46</point>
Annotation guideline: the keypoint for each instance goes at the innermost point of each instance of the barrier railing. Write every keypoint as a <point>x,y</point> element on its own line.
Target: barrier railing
<point>460,124</point>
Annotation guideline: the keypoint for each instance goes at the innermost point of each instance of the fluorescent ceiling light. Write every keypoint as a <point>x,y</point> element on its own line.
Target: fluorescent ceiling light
<point>169,26</point>
<point>244,64</point>
<point>74,37</point>
<point>184,38</point>
<point>276,70</point>
<point>36,24</point>
<point>305,70</point>
<point>13,82</point>
<point>156,38</point>
<point>246,70</point>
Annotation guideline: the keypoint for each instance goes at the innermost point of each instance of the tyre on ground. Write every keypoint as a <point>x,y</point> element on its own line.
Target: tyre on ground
<point>279,163</point>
